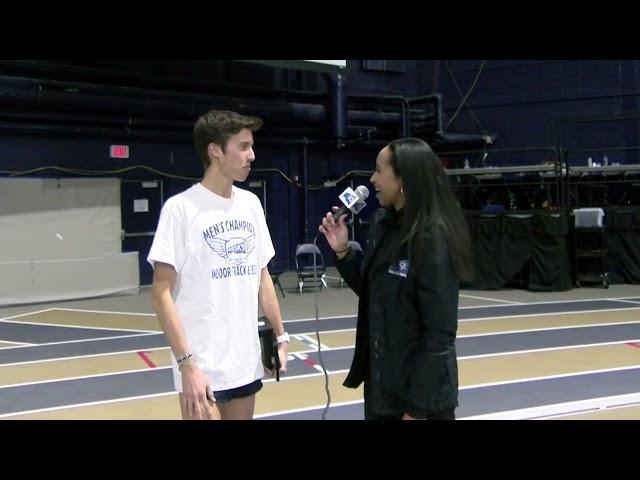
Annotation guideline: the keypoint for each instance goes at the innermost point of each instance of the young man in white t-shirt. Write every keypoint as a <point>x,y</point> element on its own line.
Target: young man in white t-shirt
<point>210,256</point>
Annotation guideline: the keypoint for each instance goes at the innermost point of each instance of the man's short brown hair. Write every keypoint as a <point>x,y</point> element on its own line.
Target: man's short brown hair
<point>217,126</point>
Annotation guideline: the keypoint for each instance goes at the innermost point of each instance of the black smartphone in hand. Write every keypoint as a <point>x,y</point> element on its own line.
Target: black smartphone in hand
<point>269,346</point>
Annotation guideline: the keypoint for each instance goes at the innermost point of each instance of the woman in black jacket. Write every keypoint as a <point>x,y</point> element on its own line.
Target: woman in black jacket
<point>417,251</point>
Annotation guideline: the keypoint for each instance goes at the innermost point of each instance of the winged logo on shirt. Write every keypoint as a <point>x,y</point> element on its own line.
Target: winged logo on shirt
<point>235,249</point>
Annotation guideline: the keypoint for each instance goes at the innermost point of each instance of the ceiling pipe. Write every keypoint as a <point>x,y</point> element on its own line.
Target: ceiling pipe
<point>140,108</point>
<point>73,73</point>
<point>337,112</point>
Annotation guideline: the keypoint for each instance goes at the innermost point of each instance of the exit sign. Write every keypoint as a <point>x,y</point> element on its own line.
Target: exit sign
<point>119,151</point>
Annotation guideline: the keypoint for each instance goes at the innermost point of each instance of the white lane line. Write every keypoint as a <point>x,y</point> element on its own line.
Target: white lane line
<point>491,300</point>
<point>546,349</point>
<point>310,339</point>
<point>471,335</point>
<point>83,377</point>
<point>307,409</point>
<point>341,371</point>
<point>310,363</point>
<point>104,402</point>
<point>476,319</point>
<point>489,306</point>
<point>320,318</point>
<point>290,378</point>
<point>104,311</point>
<point>88,404</point>
<point>495,354</point>
<point>303,354</point>
<point>27,314</point>
<point>635,302</point>
<point>304,339</point>
<point>578,300</point>
<point>573,312</point>
<point>153,314</point>
<point>86,327</point>
<point>544,329</point>
<point>36,345</point>
<point>550,377</point>
<point>561,409</point>
<point>287,378</point>
<point>506,304</point>
<point>84,356</point>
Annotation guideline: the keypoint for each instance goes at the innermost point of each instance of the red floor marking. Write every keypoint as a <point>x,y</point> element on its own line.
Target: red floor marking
<point>147,360</point>
<point>310,362</point>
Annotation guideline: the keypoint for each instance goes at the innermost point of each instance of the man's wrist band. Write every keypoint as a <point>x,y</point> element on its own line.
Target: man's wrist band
<point>343,251</point>
<point>283,338</point>
<point>184,357</point>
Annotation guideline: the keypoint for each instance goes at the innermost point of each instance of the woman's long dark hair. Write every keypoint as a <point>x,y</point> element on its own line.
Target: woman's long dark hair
<point>429,202</point>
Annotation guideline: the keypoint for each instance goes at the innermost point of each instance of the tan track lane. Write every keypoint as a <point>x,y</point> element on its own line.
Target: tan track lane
<point>309,391</point>
<point>346,338</point>
<point>496,325</point>
<point>474,327</point>
<point>10,344</point>
<point>79,367</point>
<point>305,392</point>
<point>93,319</point>
<point>503,368</point>
<point>285,395</point>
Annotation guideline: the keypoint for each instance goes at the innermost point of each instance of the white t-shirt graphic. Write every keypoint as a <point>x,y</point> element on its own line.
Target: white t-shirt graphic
<point>218,246</point>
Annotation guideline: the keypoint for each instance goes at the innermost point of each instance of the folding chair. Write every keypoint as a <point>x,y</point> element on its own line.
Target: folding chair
<point>305,253</point>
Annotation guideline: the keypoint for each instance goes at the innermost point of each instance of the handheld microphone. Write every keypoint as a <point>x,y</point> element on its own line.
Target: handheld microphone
<point>352,201</point>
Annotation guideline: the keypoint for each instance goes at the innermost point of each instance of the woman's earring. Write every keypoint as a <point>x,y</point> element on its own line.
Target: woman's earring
<point>401,190</point>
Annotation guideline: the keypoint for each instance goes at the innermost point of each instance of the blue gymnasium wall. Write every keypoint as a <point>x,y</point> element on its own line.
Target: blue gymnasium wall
<point>520,101</point>
<point>284,201</point>
<point>525,102</point>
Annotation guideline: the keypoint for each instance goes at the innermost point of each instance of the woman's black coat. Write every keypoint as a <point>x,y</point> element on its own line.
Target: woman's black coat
<point>407,323</point>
